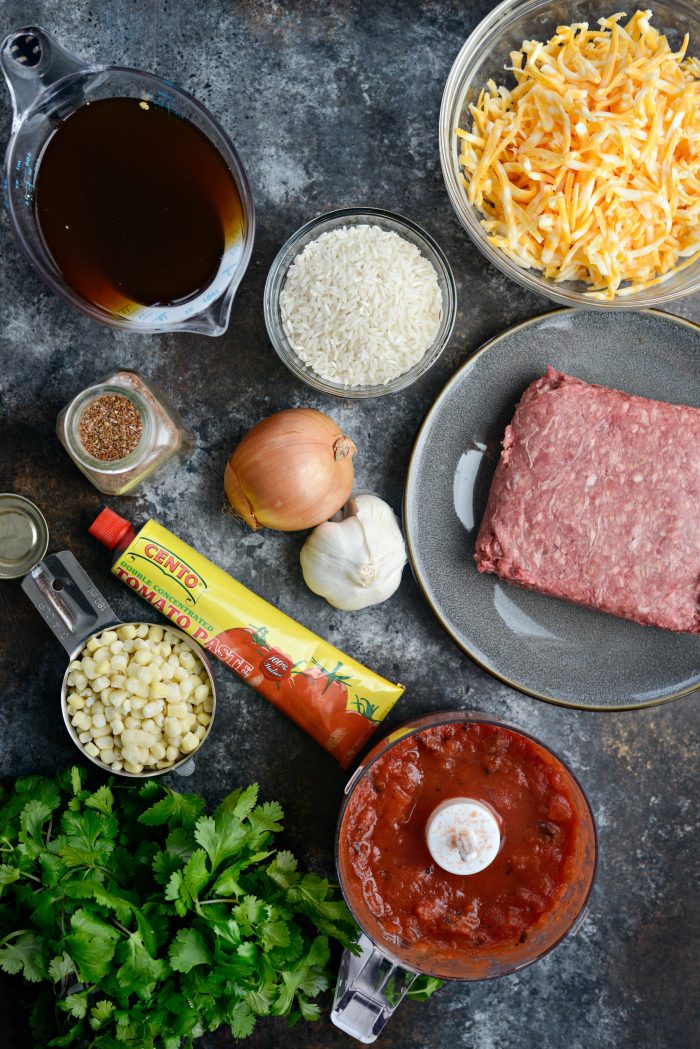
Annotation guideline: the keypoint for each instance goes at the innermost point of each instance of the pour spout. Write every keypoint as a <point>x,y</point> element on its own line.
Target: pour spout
<point>32,60</point>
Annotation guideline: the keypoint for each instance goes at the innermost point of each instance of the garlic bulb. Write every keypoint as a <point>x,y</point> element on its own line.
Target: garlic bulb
<point>357,561</point>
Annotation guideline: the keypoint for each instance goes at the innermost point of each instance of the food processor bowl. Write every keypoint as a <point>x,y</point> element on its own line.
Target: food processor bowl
<point>371,985</point>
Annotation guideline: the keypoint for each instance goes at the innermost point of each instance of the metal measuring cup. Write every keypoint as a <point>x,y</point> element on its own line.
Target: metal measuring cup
<point>75,610</point>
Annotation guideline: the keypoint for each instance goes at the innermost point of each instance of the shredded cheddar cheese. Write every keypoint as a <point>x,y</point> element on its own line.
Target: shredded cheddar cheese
<point>589,169</point>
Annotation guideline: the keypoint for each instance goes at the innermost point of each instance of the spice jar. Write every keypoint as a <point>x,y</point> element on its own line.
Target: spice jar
<point>121,430</point>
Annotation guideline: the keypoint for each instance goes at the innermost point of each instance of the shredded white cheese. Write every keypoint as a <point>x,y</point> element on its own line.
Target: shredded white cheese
<point>589,169</point>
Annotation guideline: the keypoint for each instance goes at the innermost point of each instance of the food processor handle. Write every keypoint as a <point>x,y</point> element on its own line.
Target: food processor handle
<point>67,599</point>
<point>32,60</point>
<point>370,987</point>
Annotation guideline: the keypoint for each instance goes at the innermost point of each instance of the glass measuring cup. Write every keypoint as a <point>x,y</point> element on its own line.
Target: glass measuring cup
<point>48,83</point>
<point>75,610</point>
<point>372,984</point>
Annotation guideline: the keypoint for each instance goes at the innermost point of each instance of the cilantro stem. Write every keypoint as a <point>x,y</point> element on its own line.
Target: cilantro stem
<point>105,870</point>
<point>120,926</point>
<point>11,936</point>
<point>222,899</point>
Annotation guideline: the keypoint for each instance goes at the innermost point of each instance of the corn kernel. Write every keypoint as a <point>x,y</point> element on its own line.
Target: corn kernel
<point>189,743</point>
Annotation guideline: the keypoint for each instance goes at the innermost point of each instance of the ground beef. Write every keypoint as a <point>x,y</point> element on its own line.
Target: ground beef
<point>596,499</point>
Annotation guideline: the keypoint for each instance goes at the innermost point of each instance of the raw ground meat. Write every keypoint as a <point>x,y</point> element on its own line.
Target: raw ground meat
<point>596,499</point>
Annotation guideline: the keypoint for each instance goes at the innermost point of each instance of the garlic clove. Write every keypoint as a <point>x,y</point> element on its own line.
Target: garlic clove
<point>357,561</point>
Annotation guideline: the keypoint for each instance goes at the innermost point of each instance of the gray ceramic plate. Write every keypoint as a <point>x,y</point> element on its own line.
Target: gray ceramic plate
<point>540,645</point>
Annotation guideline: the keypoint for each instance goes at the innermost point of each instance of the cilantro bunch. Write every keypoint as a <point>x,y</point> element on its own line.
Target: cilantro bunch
<point>147,923</point>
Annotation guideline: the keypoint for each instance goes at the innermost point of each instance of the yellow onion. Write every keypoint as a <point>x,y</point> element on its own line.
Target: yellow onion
<point>291,471</point>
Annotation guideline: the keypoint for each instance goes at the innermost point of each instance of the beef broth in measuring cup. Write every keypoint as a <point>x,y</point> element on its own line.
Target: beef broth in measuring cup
<point>135,204</point>
<point>126,195</point>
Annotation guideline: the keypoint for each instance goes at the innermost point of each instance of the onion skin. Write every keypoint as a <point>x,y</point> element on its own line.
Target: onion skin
<point>292,471</point>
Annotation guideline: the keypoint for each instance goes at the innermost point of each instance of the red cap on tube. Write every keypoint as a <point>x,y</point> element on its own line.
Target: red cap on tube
<point>110,529</point>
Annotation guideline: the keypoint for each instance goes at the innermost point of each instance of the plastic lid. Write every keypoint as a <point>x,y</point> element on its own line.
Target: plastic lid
<point>110,529</point>
<point>24,535</point>
<point>463,836</point>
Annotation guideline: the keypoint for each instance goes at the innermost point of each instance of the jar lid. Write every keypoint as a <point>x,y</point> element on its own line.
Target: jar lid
<point>24,535</point>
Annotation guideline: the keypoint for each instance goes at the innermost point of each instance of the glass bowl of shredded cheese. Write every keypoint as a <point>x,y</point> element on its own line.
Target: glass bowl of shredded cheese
<point>360,302</point>
<point>570,147</point>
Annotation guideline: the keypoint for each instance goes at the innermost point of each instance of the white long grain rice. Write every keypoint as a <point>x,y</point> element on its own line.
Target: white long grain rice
<point>361,305</point>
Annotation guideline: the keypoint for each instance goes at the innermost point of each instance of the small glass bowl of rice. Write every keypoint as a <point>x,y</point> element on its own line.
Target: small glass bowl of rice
<point>360,302</point>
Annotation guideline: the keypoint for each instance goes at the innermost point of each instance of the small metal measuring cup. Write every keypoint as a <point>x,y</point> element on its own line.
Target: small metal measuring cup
<point>75,610</point>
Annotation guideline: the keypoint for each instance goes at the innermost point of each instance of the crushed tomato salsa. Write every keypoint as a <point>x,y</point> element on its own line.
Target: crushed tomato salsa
<point>389,867</point>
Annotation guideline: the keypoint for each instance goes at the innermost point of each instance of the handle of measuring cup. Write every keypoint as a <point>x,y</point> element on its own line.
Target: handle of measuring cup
<point>67,599</point>
<point>32,60</point>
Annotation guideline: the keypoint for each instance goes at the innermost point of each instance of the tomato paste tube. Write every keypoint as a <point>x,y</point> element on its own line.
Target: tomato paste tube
<point>333,698</point>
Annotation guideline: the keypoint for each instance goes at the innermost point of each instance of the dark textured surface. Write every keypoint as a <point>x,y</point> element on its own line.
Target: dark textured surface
<point>330,105</point>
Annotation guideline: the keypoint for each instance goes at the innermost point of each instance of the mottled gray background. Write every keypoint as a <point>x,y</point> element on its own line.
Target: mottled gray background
<point>337,104</point>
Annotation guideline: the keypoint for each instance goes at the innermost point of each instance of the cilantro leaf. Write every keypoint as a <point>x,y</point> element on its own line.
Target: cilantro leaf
<point>76,778</point>
<point>313,897</point>
<point>90,889</point>
<point>60,967</point>
<point>139,972</point>
<point>33,816</point>
<point>260,1000</point>
<point>239,802</point>
<point>179,846</point>
<point>188,949</point>
<point>219,837</point>
<point>8,875</point>
<point>24,955</point>
<point>195,875</point>
<point>423,987</point>
<point>249,913</point>
<point>267,817</point>
<point>275,934</point>
<point>102,800</point>
<point>174,892</point>
<point>100,1014</point>
<point>228,883</point>
<point>183,809</point>
<point>309,1010</point>
<point>75,1004</point>
<point>91,945</point>
<point>283,870</point>
<point>242,1020</point>
<point>86,839</point>
<point>41,789</point>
